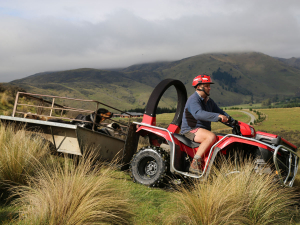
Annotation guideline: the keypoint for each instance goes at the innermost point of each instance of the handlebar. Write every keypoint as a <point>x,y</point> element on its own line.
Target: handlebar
<point>230,123</point>
<point>234,124</point>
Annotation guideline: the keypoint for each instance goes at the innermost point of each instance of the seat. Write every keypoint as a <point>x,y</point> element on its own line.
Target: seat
<point>186,141</point>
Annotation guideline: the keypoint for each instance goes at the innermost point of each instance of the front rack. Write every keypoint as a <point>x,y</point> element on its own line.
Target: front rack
<point>292,165</point>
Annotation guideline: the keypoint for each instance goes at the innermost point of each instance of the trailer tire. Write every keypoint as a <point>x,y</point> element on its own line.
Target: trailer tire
<point>149,166</point>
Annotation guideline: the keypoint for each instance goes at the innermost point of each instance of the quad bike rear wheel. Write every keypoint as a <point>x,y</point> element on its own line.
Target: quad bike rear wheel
<point>149,166</point>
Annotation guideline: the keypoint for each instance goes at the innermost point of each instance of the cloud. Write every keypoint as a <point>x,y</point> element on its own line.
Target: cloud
<point>37,37</point>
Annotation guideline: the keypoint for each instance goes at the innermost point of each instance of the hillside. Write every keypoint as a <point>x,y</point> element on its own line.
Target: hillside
<point>239,78</point>
<point>294,62</point>
<point>7,97</point>
<point>105,86</point>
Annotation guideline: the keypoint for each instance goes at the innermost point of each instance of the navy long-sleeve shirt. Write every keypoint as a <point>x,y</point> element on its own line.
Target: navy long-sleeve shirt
<point>198,113</point>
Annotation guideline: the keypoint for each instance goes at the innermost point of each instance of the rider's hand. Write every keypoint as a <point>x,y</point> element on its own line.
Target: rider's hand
<point>224,118</point>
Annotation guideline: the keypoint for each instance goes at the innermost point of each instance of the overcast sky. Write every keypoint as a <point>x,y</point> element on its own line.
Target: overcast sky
<point>49,35</point>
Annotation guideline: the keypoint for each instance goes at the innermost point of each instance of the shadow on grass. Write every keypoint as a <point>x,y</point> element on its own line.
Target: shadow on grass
<point>8,213</point>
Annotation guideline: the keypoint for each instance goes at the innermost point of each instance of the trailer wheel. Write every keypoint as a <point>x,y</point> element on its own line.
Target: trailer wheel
<point>149,166</point>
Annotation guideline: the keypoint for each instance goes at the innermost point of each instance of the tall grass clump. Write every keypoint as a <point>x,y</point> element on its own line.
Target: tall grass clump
<point>73,193</point>
<point>240,198</point>
<point>20,152</point>
<point>4,99</point>
<point>7,112</point>
<point>297,181</point>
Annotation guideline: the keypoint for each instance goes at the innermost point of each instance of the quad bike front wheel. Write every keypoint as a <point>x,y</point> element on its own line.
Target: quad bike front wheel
<point>149,166</point>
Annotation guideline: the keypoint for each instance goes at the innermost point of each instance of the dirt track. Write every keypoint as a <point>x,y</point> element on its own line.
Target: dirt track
<point>252,117</point>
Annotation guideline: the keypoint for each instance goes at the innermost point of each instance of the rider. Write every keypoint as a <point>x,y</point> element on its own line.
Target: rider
<point>199,112</point>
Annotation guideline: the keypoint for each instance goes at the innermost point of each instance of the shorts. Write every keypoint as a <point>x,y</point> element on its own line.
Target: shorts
<point>191,134</point>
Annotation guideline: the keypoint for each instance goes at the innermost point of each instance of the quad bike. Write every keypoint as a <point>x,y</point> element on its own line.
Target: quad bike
<point>151,164</point>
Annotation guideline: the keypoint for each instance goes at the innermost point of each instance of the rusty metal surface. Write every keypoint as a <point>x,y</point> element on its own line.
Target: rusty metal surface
<point>37,122</point>
<point>71,138</point>
<point>16,104</point>
<point>40,108</point>
<point>109,147</point>
<point>58,97</point>
<point>65,140</point>
<point>62,136</point>
<point>131,144</point>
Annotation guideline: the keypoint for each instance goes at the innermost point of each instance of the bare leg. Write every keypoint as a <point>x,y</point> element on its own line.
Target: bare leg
<point>206,138</point>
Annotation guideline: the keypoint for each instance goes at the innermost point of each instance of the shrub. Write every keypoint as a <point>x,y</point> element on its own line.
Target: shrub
<point>266,102</point>
<point>297,182</point>
<point>7,112</point>
<point>20,153</point>
<point>239,198</point>
<point>261,117</point>
<point>4,99</point>
<point>73,194</point>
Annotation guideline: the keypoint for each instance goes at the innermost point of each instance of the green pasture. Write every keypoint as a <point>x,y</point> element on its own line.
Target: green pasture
<point>149,204</point>
<point>283,122</point>
<point>281,119</point>
<point>237,115</point>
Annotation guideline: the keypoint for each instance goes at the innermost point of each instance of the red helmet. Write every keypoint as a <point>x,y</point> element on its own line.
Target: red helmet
<point>201,79</point>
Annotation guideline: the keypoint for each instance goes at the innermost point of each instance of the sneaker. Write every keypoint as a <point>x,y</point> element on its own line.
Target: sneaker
<point>195,166</point>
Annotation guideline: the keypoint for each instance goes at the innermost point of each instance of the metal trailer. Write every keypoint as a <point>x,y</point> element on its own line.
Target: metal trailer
<point>69,138</point>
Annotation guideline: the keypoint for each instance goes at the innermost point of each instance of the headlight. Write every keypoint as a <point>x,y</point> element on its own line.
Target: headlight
<point>252,131</point>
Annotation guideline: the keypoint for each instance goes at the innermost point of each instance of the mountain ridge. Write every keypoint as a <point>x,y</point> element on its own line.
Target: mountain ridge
<point>294,62</point>
<point>253,77</point>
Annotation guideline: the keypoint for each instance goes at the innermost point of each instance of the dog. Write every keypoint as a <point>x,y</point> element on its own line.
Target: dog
<point>111,129</point>
<point>98,116</point>
<point>35,117</point>
<point>114,126</point>
<point>44,118</point>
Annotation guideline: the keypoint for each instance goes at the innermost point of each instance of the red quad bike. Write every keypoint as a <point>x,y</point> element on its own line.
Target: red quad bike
<point>151,164</point>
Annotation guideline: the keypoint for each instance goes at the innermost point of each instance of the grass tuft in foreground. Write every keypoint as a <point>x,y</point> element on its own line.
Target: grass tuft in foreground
<point>68,193</point>
<point>239,198</point>
<point>20,154</point>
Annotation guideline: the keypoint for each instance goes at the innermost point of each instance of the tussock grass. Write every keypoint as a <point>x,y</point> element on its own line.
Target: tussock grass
<point>239,198</point>
<point>20,154</point>
<point>4,99</point>
<point>73,193</point>
<point>7,112</point>
<point>297,181</point>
